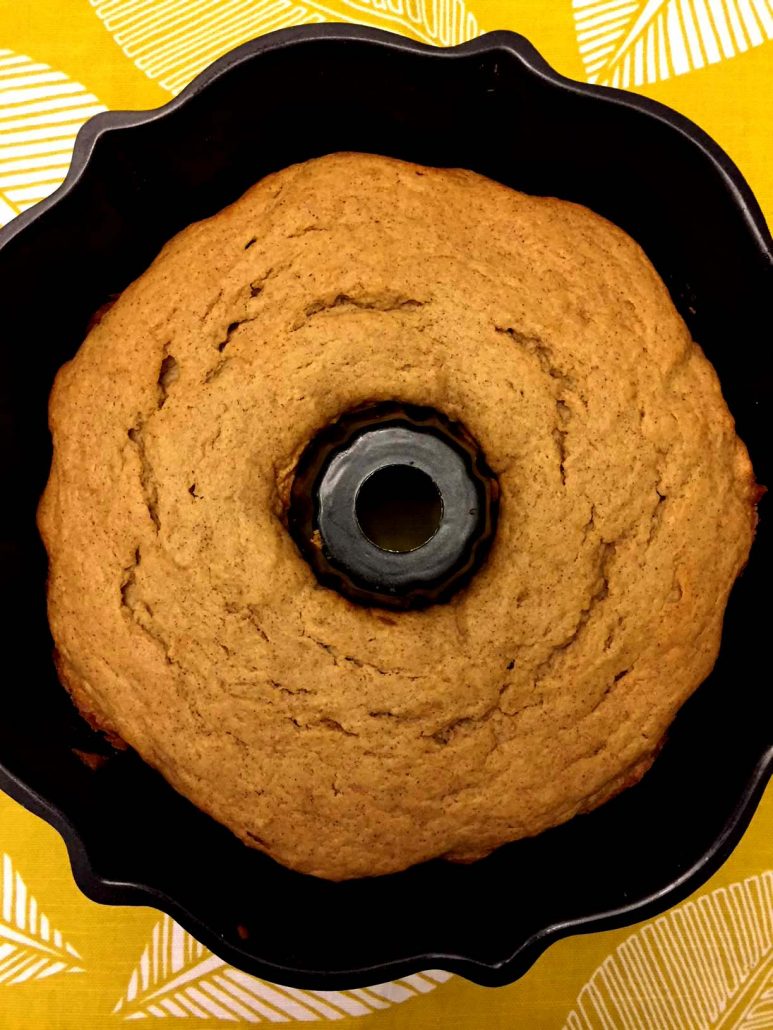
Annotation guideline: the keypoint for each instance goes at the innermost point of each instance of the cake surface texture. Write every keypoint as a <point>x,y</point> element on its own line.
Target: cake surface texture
<point>344,740</point>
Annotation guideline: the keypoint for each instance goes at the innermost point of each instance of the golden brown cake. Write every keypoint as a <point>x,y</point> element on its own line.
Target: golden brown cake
<point>345,740</point>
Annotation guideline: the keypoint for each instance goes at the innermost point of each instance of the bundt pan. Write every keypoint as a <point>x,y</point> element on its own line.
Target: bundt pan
<point>494,106</point>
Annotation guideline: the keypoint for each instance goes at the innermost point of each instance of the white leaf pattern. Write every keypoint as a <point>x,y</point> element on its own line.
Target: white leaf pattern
<point>706,964</point>
<point>172,41</point>
<point>30,948</point>
<point>177,976</point>
<point>636,42</point>
<point>41,111</point>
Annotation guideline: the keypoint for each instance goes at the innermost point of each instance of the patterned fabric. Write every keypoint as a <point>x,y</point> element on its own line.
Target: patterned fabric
<point>68,964</point>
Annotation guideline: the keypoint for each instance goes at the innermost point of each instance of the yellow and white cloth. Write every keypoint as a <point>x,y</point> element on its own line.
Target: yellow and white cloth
<point>68,964</point>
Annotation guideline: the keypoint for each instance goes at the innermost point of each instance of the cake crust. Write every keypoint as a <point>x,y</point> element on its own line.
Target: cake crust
<point>346,741</point>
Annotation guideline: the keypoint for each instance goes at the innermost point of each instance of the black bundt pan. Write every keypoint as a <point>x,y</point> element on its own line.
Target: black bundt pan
<point>492,105</point>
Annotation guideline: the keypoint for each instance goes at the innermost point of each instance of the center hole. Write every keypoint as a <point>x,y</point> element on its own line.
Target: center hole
<point>399,508</point>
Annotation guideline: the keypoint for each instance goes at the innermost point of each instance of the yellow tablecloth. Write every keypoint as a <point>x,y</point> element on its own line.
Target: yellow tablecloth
<point>68,963</point>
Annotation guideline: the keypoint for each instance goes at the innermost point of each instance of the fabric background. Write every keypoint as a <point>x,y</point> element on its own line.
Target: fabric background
<point>68,964</point>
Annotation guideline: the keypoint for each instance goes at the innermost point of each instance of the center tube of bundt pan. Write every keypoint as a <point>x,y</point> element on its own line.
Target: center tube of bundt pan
<point>393,505</point>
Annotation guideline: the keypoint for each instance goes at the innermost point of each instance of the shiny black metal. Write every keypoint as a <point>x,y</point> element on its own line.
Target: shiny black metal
<point>495,106</point>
